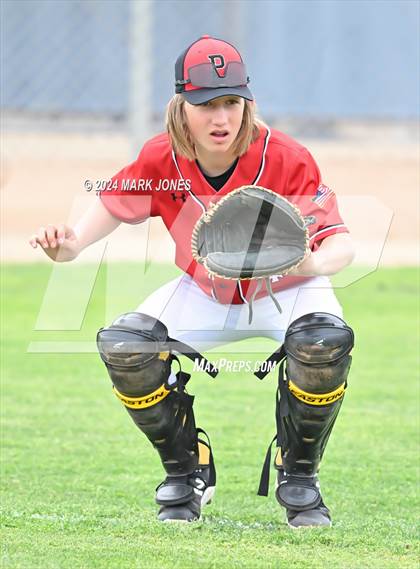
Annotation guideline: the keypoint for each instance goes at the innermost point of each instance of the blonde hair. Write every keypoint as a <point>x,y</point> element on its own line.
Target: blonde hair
<point>182,141</point>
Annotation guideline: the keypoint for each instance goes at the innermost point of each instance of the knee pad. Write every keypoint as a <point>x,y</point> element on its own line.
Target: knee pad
<point>136,353</point>
<point>317,348</point>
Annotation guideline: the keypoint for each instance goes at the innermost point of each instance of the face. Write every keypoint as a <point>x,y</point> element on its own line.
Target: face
<point>215,125</point>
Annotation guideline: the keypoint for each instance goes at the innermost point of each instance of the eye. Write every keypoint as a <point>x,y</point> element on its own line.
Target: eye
<point>232,101</point>
<point>206,104</point>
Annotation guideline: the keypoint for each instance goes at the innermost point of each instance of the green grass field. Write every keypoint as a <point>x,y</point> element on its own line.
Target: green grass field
<point>78,479</point>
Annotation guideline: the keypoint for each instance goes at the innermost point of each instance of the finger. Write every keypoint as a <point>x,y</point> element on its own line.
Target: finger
<point>33,241</point>
<point>42,237</point>
<point>61,233</point>
<point>51,235</point>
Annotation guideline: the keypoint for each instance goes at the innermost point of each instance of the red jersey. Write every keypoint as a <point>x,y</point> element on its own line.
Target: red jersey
<point>160,183</point>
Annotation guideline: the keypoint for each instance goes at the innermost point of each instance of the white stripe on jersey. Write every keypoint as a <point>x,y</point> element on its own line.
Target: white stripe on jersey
<point>200,203</point>
<point>255,182</point>
<point>318,233</point>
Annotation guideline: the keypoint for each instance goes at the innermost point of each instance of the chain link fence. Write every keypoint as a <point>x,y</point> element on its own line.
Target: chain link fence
<point>65,57</point>
<point>96,59</point>
<point>306,58</point>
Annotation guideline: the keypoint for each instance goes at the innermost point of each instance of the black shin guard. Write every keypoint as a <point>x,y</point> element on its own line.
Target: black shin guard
<point>317,365</point>
<point>171,429</point>
<point>136,354</point>
<point>309,398</point>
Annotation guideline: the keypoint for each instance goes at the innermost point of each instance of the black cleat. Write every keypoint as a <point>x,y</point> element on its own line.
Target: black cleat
<point>301,496</point>
<point>181,498</point>
<point>317,517</point>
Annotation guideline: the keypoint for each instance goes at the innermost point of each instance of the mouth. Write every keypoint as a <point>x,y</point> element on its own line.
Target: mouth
<point>219,134</point>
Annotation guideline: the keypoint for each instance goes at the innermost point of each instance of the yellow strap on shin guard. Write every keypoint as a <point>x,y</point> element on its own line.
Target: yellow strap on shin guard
<point>317,398</point>
<point>145,400</point>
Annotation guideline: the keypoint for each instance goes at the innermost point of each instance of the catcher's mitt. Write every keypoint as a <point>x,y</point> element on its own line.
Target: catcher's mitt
<point>251,233</point>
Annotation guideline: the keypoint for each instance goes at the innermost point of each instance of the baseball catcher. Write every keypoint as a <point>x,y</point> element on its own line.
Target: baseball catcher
<point>257,235</point>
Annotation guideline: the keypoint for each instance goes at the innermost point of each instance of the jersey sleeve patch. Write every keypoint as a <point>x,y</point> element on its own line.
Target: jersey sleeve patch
<point>323,195</point>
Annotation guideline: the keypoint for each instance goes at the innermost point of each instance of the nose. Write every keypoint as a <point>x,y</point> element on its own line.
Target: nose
<point>219,116</point>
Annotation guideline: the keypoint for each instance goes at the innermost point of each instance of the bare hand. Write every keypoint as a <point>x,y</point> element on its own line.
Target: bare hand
<point>308,268</point>
<point>335,252</point>
<point>59,242</point>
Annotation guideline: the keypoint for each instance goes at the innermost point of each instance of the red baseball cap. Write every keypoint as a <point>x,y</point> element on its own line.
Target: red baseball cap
<point>211,68</point>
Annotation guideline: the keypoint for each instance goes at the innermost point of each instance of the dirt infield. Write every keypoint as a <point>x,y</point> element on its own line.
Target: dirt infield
<point>43,174</point>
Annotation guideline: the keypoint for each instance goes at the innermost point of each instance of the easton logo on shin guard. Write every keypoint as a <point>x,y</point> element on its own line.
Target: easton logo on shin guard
<point>144,401</point>
<point>317,398</point>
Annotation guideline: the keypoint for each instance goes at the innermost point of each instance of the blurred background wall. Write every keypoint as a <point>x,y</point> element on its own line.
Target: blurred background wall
<point>323,58</point>
<point>85,82</point>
